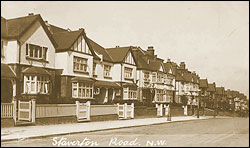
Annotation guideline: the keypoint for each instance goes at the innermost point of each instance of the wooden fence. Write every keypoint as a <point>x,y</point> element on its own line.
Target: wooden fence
<point>55,110</point>
<point>7,110</point>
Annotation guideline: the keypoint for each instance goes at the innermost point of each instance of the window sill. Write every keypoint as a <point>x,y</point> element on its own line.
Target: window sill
<point>83,98</point>
<point>30,94</point>
<point>106,77</point>
<point>81,72</point>
<point>130,79</point>
<point>36,59</point>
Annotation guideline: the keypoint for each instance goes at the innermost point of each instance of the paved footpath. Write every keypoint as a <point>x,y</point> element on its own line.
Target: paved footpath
<point>23,132</point>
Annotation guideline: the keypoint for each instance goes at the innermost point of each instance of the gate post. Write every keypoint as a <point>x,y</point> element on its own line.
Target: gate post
<point>88,110</point>
<point>161,110</point>
<point>77,110</point>
<point>125,110</point>
<point>14,110</point>
<point>33,110</point>
<point>118,109</point>
<point>132,110</point>
<point>185,110</point>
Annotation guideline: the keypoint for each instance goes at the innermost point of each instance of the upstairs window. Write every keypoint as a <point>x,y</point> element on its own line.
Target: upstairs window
<point>146,77</point>
<point>80,64</point>
<point>128,72</point>
<point>36,52</point>
<point>154,77</point>
<point>107,69</point>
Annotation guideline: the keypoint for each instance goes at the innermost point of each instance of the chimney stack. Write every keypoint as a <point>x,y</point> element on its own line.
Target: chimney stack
<point>182,65</point>
<point>117,46</point>
<point>168,61</point>
<point>31,14</point>
<point>151,51</point>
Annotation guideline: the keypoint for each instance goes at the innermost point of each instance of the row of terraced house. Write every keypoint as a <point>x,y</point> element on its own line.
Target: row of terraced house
<point>53,65</point>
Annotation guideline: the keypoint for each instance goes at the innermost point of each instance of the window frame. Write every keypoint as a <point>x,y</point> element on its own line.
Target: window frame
<point>29,79</point>
<point>87,87</point>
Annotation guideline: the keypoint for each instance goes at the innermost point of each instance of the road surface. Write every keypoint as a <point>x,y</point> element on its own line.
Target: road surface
<point>210,133</point>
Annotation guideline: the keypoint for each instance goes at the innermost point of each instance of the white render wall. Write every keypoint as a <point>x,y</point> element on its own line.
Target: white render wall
<point>99,71</point>
<point>64,60</point>
<point>11,52</point>
<point>36,35</point>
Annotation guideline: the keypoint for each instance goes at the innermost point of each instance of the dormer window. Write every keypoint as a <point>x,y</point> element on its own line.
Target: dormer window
<point>36,52</point>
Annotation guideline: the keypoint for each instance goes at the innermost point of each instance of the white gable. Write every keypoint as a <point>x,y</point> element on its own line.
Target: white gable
<point>161,69</point>
<point>129,59</point>
<point>81,45</point>
<point>170,71</point>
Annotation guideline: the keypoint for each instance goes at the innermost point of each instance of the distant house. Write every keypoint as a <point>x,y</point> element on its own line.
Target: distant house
<point>106,88</point>
<point>124,72</point>
<point>211,95</point>
<point>155,78</point>
<point>187,86</point>
<point>74,61</point>
<point>29,49</point>
<point>220,97</point>
<point>204,94</point>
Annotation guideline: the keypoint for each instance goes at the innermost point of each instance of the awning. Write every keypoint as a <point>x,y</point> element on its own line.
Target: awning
<point>7,72</point>
<point>85,79</point>
<point>106,84</point>
<point>36,70</point>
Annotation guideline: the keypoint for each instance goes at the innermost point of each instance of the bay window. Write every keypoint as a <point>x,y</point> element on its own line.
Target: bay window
<point>129,94</point>
<point>128,72</point>
<point>36,84</point>
<point>160,95</point>
<point>80,64</point>
<point>82,90</point>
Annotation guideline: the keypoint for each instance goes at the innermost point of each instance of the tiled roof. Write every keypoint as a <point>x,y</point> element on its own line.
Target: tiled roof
<point>118,54</point>
<point>55,29</point>
<point>220,90</point>
<point>141,60</point>
<point>15,28</point>
<point>6,72</point>
<point>100,50</point>
<point>167,66</point>
<point>203,83</point>
<point>179,77</point>
<point>36,70</point>
<point>65,40</point>
<point>196,78</point>
<point>211,87</point>
<point>106,84</point>
<point>3,27</point>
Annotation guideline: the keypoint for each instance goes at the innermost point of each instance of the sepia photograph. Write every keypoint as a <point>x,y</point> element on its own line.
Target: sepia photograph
<point>124,73</point>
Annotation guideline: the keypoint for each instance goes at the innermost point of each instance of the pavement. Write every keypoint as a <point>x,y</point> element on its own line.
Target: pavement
<point>38,131</point>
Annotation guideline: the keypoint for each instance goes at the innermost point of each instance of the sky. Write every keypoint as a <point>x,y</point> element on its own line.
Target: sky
<point>212,38</point>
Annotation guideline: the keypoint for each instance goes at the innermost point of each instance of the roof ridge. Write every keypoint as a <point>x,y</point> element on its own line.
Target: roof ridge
<point>35,15</point>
